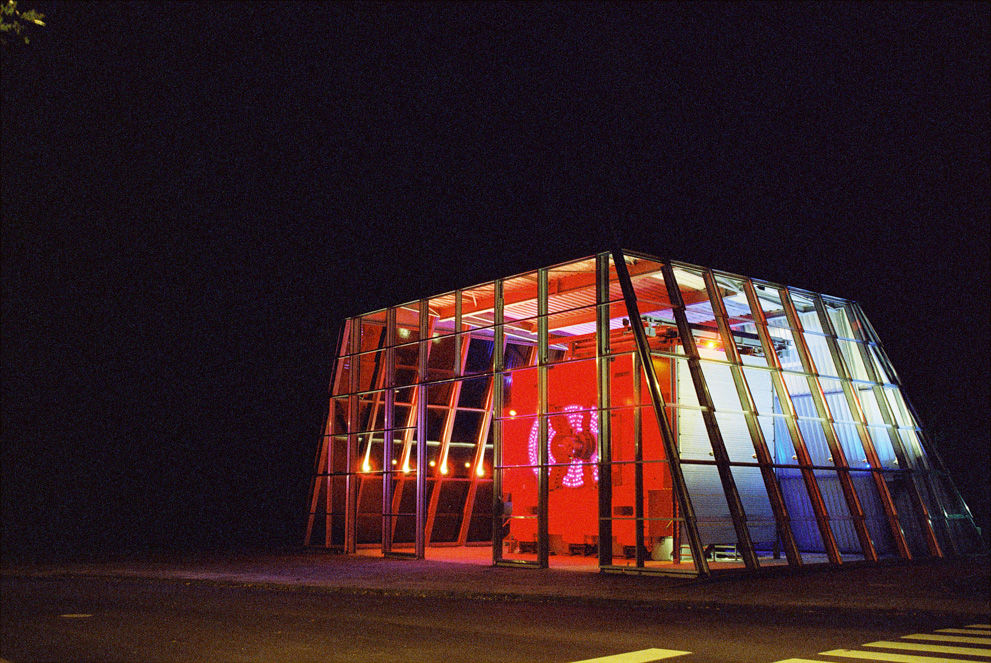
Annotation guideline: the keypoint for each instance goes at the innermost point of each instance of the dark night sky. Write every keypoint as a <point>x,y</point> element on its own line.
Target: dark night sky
<point>194,196</point>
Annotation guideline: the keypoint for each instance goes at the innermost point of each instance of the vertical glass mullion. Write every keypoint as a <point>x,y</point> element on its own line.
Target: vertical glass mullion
<point>351,481</point>
<point>804,459</point>
<point>543,538</point>
<point>856,409</point>
<point>498,361</point>
<point>764,457</point>
<point>387,442</point>
<point>716,443</point>
<point>904,459</point>
<point>657,401</point>
<point>478,463</point>
<point>605,437</point>
<point>421,432</point>
<point>832,439</point>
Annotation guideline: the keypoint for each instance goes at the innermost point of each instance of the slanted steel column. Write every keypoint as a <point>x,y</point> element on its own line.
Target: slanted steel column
<point>764,457</point>
<point>733,501</point>
<point>791,420</point>
<point>602,364</point>
<point>832,439</point>
<point>904,462</point>
<point>543,538</point>
<point>421,432</point>
<point>932,454</point>
<point>857,411</point>
<point>657,400</point>
<point>325,451</point>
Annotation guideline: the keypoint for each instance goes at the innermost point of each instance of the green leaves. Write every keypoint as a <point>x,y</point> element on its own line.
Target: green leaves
<point>15,26</point>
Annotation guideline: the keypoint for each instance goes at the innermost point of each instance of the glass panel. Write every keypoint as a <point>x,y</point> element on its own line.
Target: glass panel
<point>721,386</point>
<point>839,513</point>
<point>480,353</point>
<point>784,347</point>
<point>343,385</point>
<point>572,386</point>
<point>519,441</point>
<point>778,437</point>
<point>741,319</point>
<point>650,290</point>
<point>821,354</point>
<point>480,527</point>
<point>478,306</point>
<point>571,286</point>
<point>520,301</point>
<point>372,331</point>
<point>760,517</point>
<point>368,524</point>
<point>836,400</point>
<point>693,441</point>
<point>714,522</point>
<point>449,510</point>
<point>442,317</point>
<point>815,441</point>
<point>698,308</point>
<point>852,359</point>
<point>338,416</point>
<point>853,448</point>
<point>736,437</point>
<point>623,432</point>
<point>883,445</point>
<point>803,521</point>
<point>371,370</point>
<point>869,403</point>
<point>874,515</point>
<point>770,302</point>
<point>519,394</point>
<point>474,392</point>
<point>839,318</point>
<point>898,407</point>
<point>571,335</point>
<point>761,389</point>
<point>441,359</point>
<point>808,317</point>
<point>519,497</point>
<point>408,323</point>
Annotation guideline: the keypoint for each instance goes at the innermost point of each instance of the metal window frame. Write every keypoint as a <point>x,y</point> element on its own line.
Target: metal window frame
<point>805,464</point>
<point>838,456</point>
<point>764,457</point>
<point>657,400</point>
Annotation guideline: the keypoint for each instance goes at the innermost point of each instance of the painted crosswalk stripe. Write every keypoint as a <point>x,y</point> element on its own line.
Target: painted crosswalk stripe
<point>797,660</point>
<point>978,626</point>
<point>967,631</point>
<point>949,638</point>
<point>935,649</point>
<point>642,656</point>
<point>883,656</point>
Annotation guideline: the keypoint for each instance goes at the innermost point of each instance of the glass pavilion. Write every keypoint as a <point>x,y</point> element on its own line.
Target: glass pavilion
<point>630,412</point>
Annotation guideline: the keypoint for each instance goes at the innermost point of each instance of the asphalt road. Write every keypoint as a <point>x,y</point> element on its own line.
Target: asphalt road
<point>67,618</point>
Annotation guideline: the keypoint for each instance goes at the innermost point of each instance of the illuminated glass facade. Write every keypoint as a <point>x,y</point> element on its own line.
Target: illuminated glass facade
<point>633,413</point>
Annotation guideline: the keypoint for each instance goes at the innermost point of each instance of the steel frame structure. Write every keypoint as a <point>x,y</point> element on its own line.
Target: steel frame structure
<point>661,416</point>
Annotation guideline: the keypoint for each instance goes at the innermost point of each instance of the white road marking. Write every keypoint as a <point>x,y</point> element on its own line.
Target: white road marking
<point>936,649</point>
<point>797,660</point>
<point>978,626</point>
<point>75,616</point>
<point>642,656</point>
<point>881,656</point>
<point>949,638</point>
<point>968,631</point>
